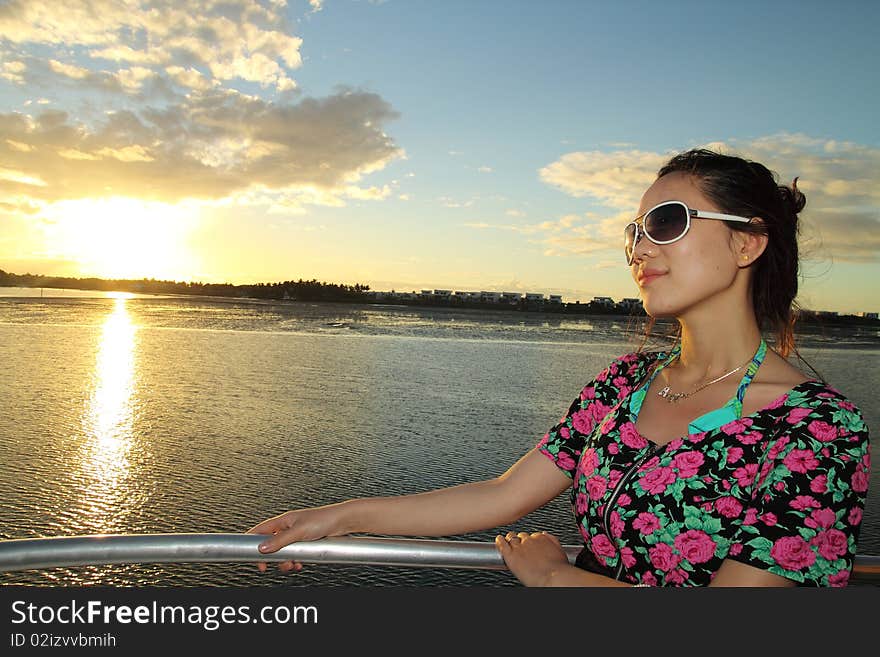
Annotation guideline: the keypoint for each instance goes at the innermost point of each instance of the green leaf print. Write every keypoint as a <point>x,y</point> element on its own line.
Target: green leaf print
<point>761,543</point>
<point>848,419</point>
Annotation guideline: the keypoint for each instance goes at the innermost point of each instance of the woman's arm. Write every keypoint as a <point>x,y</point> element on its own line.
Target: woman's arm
<point>530,483</point>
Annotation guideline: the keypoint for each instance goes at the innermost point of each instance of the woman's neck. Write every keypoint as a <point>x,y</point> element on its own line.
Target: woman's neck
<point>712,346</point>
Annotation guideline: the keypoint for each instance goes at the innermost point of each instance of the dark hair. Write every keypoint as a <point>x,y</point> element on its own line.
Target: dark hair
<point>742,187</point>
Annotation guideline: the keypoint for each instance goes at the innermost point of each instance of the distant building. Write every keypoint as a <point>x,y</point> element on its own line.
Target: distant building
<point>606,303</point>
<point>534,296</point>
<point>490,297</point>
<point>629,304</point>
<point>555,298</point>
<point>868,315</point>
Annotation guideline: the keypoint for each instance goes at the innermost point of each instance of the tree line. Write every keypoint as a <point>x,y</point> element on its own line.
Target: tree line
<point>300,290</point>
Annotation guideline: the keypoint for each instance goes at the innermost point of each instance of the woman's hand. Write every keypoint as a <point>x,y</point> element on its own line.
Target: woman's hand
<point>301,525</point>
<point>533,558</point>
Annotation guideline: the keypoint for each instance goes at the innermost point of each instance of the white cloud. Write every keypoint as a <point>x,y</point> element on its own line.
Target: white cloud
<point>233,39</point>
<point>212,145</point>
<point>841,181</point>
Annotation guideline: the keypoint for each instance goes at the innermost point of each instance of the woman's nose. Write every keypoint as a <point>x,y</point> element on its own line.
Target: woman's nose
<point>642,247</point>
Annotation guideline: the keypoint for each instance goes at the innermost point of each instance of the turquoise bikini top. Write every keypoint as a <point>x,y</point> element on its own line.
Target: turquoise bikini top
<point>731,411</point>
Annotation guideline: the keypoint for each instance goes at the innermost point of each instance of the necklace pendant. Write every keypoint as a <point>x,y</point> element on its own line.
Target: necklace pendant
<point>667,394</point>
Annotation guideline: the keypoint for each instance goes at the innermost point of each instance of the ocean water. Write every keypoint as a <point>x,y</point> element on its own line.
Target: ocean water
<point>142,414</point>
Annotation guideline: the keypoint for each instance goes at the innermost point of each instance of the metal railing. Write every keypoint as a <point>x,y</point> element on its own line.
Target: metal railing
<point>67,551</point>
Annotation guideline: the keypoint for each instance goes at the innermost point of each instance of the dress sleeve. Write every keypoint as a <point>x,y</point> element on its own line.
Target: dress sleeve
<point>564,443</point>
<point>809,495</point>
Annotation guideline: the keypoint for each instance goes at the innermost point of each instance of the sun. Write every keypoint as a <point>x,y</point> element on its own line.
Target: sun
<point>123,237</point>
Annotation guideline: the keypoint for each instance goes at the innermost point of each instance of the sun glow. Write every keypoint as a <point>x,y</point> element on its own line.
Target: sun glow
<point>123,237</point>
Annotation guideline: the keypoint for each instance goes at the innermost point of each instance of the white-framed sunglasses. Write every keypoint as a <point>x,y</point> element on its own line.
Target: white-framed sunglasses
<point>666,223</point>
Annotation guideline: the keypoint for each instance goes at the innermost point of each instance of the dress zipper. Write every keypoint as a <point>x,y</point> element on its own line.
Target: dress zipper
<point>614,495</point>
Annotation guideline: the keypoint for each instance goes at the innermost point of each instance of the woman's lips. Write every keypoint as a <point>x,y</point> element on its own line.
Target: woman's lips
<point>647,278</point>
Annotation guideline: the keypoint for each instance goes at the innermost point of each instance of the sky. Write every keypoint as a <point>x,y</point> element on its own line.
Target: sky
<point>409,144</point>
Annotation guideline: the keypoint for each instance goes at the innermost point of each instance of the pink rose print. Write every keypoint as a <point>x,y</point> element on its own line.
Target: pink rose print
<point>822,431</point>
<point>613,477</point>
<point>779,485</point>
<point>728,507</point>
<point>619,381</point>
<point>734,454</point>
<point>596,487</point>
<point>613,448</point>
<point>646,523</point>
<point>607,426</point>
<point>839,579</point>
<point>695,545</point>
<point>769,519</point>
<point>847,406</point>
<point>819,484</point>
<point>751,517</point>
<point>748,438</point>
<point>674,445</point>
<point>623,392</point>
<point>650,464</point>
<point>623,499</point>
<point>855,516</point>
<point>649,578</point>
<point>792,553</point>
<point>832,544</point>
<point>580,503</point>
<point>589,461</point>
<point>696,437</point>
<point>599,411</point>
<point>735,549</point>
<point>603,376</point>
<point>677,576</point>
<point>859,481</point>
<point>631,437</point>
<point>778,446</point>
<point>737,426</point>
<point>804,502</point>
<point>745,475</point>
<point>564,461</point>
<point>656,481</point>
<point>603,548</point>
<point>800,460</point>
<point>583,421</point>
<point>588,393</point>
<point>628,559</point>
<point>776,403</point>
<point>725,484</point>
<point>706,506</point>
<point>798,414</point>
<point>688,463</point>
<point>616,525</point>
<point>821,519</point>
<point>663,558</point>
<point>565,433</point>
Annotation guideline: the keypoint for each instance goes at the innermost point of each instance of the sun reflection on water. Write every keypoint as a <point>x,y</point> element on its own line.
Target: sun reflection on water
<point>108,423</point>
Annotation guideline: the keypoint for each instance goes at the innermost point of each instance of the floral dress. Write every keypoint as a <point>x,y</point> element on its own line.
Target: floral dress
<point>782,489</point>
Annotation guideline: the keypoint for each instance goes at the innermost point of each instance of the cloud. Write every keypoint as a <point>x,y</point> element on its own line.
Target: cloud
<point>211,145</point>
<point>840,179</point>
<point>234,39</point>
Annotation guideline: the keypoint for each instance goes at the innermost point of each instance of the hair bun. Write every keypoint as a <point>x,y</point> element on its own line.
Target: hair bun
<point>793,197</point>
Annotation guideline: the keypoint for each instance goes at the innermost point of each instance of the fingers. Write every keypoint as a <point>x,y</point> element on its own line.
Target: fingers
<point>270,526</point>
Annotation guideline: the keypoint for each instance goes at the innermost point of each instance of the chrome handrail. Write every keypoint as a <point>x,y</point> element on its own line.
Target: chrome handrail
<point>67,551</point>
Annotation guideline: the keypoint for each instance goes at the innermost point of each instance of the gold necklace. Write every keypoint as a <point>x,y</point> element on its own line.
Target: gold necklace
<point>672,397</point>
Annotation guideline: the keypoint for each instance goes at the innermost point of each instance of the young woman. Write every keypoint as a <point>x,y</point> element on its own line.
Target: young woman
<point>717,462</point>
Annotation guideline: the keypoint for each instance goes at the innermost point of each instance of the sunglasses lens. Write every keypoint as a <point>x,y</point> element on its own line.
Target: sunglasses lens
<point>666,222</point>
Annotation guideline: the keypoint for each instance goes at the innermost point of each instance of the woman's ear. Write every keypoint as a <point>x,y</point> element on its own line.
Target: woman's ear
<point>750,246</point>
